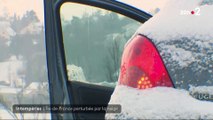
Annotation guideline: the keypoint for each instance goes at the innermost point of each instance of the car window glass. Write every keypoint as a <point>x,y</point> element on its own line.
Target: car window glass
<point>23,68</point>
<point>93,40</point>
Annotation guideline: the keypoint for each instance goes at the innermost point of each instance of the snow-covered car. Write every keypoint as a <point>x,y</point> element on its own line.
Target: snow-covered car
<point>166,68</point>
<point>62,59</point>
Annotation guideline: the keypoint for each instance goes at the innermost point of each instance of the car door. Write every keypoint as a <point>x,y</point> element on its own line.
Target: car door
<point>85,40</point>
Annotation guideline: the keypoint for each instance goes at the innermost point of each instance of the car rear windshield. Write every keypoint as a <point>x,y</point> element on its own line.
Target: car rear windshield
<point>188,61</point>
<point>184,38</point>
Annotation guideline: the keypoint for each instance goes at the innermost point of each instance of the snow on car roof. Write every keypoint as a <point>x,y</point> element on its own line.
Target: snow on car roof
<point>180,18</point>
<point>158,103</point>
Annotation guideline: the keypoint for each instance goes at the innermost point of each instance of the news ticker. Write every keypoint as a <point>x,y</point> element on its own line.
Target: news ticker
<point>26,108</point>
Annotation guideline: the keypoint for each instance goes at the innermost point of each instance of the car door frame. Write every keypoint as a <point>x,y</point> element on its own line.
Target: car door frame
<point>58,80</point>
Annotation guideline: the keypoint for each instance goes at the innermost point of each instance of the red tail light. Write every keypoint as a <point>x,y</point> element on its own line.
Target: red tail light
<point>142,66</point>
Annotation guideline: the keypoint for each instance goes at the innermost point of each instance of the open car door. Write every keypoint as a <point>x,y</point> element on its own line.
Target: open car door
<point>85,39</point>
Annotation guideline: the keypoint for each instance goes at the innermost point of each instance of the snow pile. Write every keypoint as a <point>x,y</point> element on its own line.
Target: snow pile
<point>158,103</point>
<point>75,73</point>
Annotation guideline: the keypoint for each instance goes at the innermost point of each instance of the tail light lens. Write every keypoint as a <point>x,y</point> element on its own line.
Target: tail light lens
<point>142,66</point>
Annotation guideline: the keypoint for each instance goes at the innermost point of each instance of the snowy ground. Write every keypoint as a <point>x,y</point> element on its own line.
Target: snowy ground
<point>158,103</point>
<point>5,113</point>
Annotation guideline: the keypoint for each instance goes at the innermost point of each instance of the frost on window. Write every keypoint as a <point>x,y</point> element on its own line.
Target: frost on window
<point>23,70</point>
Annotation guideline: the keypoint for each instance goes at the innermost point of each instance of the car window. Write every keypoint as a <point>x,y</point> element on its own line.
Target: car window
<point>93,41</point>
<point>23,68</point>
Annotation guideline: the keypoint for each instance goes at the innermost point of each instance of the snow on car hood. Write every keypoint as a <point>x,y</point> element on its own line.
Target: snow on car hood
<point>158,103</point>
<point>184,40</point>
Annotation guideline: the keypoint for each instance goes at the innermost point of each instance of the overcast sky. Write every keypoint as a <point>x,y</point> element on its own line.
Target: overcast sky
<point>21,6</point>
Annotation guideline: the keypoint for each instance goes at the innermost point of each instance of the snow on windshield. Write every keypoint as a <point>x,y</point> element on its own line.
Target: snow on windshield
<point>158,103</point>
<point>182,32</point>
